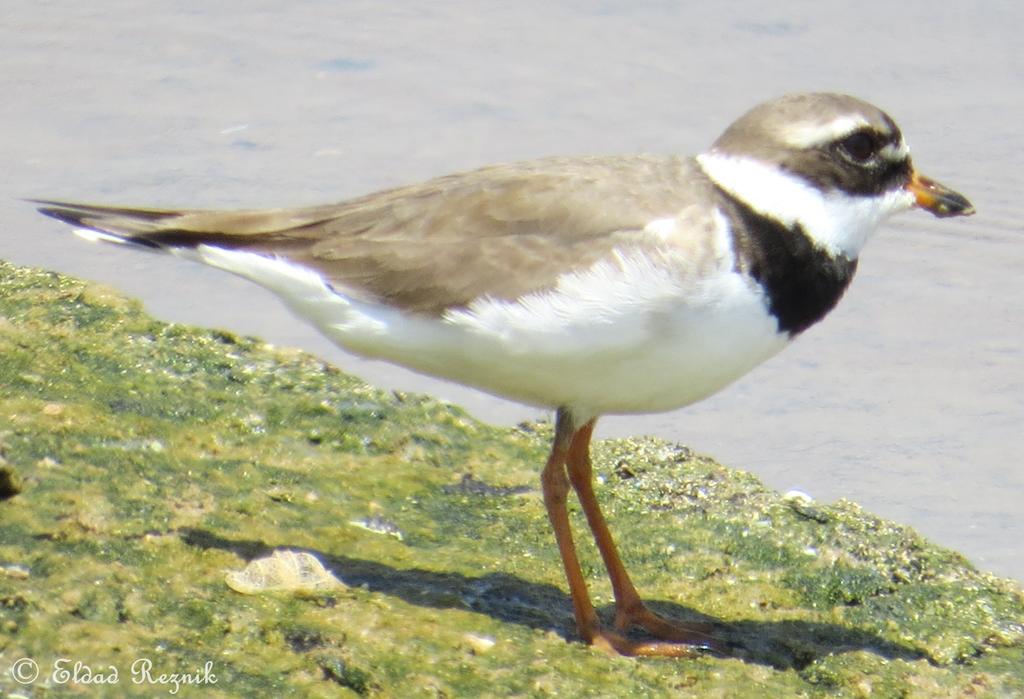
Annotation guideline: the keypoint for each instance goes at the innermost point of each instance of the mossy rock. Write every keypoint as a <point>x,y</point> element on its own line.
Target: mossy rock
<point>141,462</point>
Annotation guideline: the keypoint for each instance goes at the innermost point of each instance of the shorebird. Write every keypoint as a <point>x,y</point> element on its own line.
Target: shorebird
<point>588,285</point>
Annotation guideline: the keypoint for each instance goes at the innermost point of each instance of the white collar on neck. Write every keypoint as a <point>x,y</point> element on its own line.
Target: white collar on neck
<point>837,222</point>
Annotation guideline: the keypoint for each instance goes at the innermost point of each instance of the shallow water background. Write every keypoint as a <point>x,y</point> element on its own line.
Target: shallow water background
<point>909,399</point>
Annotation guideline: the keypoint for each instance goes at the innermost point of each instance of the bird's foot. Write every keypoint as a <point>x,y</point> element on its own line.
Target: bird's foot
<point>615,643</point>
<point>676,640</point>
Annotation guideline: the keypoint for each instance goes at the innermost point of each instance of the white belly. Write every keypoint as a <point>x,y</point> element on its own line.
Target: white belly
<point>628,337</point>
<point>628,352</point>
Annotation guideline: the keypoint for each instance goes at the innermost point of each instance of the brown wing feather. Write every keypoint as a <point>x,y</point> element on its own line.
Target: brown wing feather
<point>500,231</point>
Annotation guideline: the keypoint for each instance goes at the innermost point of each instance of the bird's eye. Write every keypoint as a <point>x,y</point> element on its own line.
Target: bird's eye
<point>860,146</point>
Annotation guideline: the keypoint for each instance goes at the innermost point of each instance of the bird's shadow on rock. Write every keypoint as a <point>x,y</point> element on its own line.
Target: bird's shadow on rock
<point>782,645</point>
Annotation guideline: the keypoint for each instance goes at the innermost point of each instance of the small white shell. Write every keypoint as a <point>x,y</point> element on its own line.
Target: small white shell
<point>15,570</point>
<point>478,643</point>
<point>282,570</point>
<point>798,496</point>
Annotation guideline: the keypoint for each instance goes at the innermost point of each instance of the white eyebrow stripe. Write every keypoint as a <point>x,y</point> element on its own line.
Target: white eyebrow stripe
<point>896,153</point>
<point>806,135</point>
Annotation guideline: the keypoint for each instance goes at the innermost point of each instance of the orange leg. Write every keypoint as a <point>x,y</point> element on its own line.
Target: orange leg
<point>570,462</point>
<point>555,485</point>
<point>683,639</point>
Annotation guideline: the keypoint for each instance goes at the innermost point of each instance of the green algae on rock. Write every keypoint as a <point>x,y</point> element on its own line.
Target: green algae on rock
<point>148,460</point>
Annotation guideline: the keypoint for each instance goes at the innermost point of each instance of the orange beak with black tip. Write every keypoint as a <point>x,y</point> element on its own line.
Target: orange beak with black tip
<point>938,199</point>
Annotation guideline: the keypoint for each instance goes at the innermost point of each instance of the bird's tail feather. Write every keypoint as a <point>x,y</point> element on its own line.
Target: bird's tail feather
<point>164,228</point>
